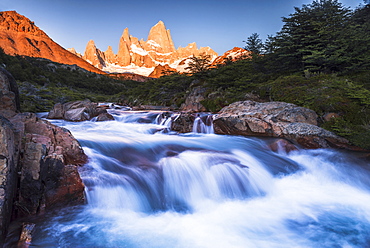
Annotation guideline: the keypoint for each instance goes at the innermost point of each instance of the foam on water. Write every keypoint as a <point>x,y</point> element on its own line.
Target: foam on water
<point>149,189</point>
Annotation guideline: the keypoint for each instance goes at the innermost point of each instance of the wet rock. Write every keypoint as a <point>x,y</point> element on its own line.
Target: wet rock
<point>183,123</point>
<point>282,145</point>
<point>76,111</point>
<point>276,119</point>
<point>57,112</point>
<point>104,117</point>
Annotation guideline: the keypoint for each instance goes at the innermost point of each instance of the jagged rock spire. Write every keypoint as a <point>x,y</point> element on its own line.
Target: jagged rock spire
<point>161,36</point>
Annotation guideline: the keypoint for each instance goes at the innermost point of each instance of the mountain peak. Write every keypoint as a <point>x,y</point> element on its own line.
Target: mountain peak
<point>20,36</point>
<point>160,23</point>
<point>91,43</point>
<point>162,37</point>
<point>12,21</point>
<point>143,56</point>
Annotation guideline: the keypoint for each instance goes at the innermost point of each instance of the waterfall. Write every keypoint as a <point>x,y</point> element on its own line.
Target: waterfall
<point>203,124</point>
<point>147,188</point>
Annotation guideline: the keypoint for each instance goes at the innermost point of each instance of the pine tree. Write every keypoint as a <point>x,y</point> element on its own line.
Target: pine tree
<point>311,38</point>
<point>199,64</point>
<point>254,44</point>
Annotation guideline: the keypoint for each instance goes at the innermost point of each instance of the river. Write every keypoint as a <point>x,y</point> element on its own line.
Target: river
<point>147,186</point>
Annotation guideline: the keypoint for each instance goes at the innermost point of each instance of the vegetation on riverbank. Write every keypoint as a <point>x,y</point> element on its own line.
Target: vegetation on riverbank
<point>319,60</point>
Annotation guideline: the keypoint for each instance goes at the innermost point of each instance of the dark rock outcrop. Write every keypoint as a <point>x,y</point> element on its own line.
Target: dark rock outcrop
<point>276,119</point>
<point>9,160</point>
<point>104,117</point>
<point>76,111</point>
<point>193,100</point>
<point>183,123</point>
<point>9,96</point>
<point>38,162</point>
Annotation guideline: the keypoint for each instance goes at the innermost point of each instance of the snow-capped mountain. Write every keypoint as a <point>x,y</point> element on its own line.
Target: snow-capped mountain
<point>141,57</point>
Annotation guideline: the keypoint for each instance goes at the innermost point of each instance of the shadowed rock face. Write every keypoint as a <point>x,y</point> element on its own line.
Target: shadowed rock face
<point>38,161</point>
<point>9,158</point>
<point>276,119</point>
<point>19,35</point>
<point>9,96</point>
<point>193,100</point>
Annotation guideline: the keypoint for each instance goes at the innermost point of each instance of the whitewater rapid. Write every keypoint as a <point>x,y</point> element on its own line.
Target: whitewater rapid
<point>149,187</point>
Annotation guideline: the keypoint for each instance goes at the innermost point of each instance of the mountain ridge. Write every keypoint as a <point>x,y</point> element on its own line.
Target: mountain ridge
<point>158,49</point>
<point>20,36</point>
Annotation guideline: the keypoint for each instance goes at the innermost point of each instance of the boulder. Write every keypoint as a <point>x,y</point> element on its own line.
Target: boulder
<point>276,119</point>
<point>105,117</point>
<point>76,111</point>
<point>57,112</point>
<point>282,145</point>
<point>183,123</point>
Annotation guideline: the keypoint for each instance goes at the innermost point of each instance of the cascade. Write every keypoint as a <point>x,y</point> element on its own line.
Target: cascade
<point>203,124</point>
<point>147,188</point>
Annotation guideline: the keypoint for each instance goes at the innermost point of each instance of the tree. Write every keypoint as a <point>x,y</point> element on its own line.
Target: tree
<point>312,37</point>
<point>269,45</point>
<point>254,44</point>
<point>358,40</point>
<point>199,64</point>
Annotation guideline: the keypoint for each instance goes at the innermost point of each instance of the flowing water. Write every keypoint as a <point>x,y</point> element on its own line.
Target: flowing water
<point>149,187</point>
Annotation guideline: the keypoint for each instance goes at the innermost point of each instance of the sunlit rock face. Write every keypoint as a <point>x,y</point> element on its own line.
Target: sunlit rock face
<point>161,70</point>
<point>94,55</point>
<point>159,39</point>
<point>20,36</point>
<point>158,49</point>
<point>234,54</point>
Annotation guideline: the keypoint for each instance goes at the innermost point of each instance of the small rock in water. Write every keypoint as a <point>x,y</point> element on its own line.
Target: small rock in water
<point>26,235</point>
<point>282,145</point>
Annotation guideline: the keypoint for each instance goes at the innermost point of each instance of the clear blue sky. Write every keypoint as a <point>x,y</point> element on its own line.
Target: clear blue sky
<point>220,24</point>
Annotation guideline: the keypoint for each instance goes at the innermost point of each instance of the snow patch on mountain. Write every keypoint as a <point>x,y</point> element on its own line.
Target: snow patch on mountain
<point>114,68</point>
